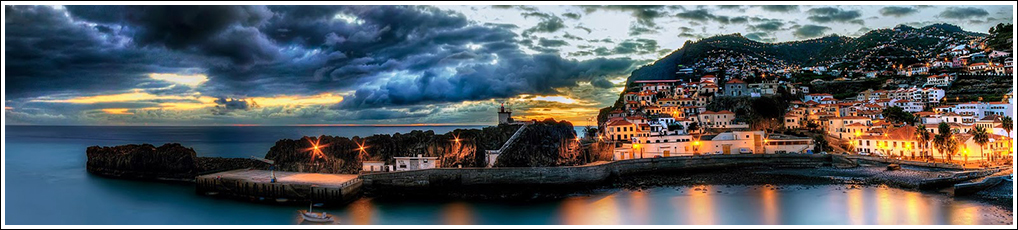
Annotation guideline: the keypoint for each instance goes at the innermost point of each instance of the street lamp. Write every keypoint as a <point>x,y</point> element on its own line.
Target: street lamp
<point>696,147</point>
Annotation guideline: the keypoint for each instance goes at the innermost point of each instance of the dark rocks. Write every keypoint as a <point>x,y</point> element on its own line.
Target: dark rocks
<point>208,165</point>
<point>343,155</point>
<point>542,144</point>
<point>168,162</point>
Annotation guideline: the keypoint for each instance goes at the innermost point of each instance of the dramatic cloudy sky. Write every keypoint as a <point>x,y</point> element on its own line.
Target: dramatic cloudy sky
<point>221,65</point>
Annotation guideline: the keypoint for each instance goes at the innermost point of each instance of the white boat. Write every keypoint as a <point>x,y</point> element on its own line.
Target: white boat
<point>317,217</point>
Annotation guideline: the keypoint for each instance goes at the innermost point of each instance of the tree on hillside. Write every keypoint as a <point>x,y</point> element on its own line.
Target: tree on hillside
<point>693,126</point>
<point>1001,37</point>
<point>897,115</point>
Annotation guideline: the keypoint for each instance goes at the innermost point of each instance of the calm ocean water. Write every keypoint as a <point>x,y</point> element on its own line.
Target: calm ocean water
<point>46,183</point>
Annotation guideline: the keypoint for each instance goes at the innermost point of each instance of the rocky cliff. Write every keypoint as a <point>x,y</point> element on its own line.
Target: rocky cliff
<point>170,161</point>
<point>343,155</point>
<point>145,161</point>
<point>544,143</point>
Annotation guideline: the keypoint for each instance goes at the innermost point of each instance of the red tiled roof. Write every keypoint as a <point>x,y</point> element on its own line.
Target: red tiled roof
<point>620,122</point>
<point>735,81</point>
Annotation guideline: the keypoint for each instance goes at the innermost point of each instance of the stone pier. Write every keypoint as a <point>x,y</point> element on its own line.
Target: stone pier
<point>290,187</point>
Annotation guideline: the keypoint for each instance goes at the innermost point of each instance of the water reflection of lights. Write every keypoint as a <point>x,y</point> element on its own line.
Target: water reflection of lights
<point>360,211</point>
<point>964,214</point>
<point>886,213</point>
<point>701,206</point>
<point>771,212</point>
<point>458,213</point>
<point>855,206</point>
<point>590,211</point>
<point>638,207</point>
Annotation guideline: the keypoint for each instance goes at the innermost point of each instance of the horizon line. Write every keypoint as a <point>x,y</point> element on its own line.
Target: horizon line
<point>266,125</point>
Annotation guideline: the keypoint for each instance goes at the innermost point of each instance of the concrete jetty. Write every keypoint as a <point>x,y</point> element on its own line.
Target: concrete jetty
<point>256,185</point>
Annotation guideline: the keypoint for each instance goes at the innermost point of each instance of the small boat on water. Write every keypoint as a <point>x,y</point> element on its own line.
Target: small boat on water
<point>316,217</point>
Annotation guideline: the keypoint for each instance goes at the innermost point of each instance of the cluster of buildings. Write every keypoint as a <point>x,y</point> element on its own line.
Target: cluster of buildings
<point>662,118</point>
<point>860,122</point>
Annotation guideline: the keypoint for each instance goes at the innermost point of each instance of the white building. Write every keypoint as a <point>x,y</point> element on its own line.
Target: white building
<point>733,142</point>
<point>416,163</point>
<point>940,80</point>
<point>817,97</point>
<point>375,166</point>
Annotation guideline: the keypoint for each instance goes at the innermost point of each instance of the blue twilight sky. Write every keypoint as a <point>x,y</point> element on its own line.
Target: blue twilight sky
<point>278,65</point>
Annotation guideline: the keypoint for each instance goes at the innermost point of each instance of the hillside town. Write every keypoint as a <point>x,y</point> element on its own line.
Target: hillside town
<point>670,117</point>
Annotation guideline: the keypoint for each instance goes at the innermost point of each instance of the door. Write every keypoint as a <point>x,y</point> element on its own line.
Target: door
<point>414,164</point>
<point>667,153</point>
<point>727,149</point>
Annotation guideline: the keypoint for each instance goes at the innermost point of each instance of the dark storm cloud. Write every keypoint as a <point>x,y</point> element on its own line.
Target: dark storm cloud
<point>573,16</point>
<point>963,12</point>
<point>810,31</point>
<point>760,36</point>
<point>696,15</point>
<point>768,26</point>
<point>831,14</point>
<point>780,8</point>
<point>551,42</point>
<point>221,31</point>
<point>644,14</point>
<point>573,37</point>
<point>703,15</point>
<point>226,105</point>
<point>637,29</point>
<point>48,53</point>
<point>536,74</point>
<point>897,11</point>
<point>388,55</point>
<point>386,114</point>
<point>636,46</point>
<point>548,24</point>
<point>602,83</point>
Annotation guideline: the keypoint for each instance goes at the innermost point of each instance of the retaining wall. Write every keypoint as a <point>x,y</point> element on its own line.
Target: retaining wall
<point>269,192</point>
<point>520,177</point>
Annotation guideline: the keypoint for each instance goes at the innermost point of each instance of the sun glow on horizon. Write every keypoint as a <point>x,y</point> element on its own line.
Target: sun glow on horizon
<point>189,80</point>
<point>117,111</point>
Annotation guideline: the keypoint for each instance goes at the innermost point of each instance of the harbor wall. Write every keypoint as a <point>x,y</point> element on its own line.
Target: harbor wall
<point>269,192</point>
<point>522,178</point>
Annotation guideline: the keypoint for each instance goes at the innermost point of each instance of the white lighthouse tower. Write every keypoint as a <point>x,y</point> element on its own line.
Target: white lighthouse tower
<point>504,115</point>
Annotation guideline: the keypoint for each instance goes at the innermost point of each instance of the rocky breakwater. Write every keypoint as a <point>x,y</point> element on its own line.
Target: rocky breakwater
<point>145,161</point>
<point>170,162</point>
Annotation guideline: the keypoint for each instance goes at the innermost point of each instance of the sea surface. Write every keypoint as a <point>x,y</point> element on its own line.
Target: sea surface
<point>45,182</point>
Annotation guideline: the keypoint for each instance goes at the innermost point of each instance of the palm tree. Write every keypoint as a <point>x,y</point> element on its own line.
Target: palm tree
<point>981,137</point>
<point>923,138</point>
<point>944,141</point>
<point>1007,123</point>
